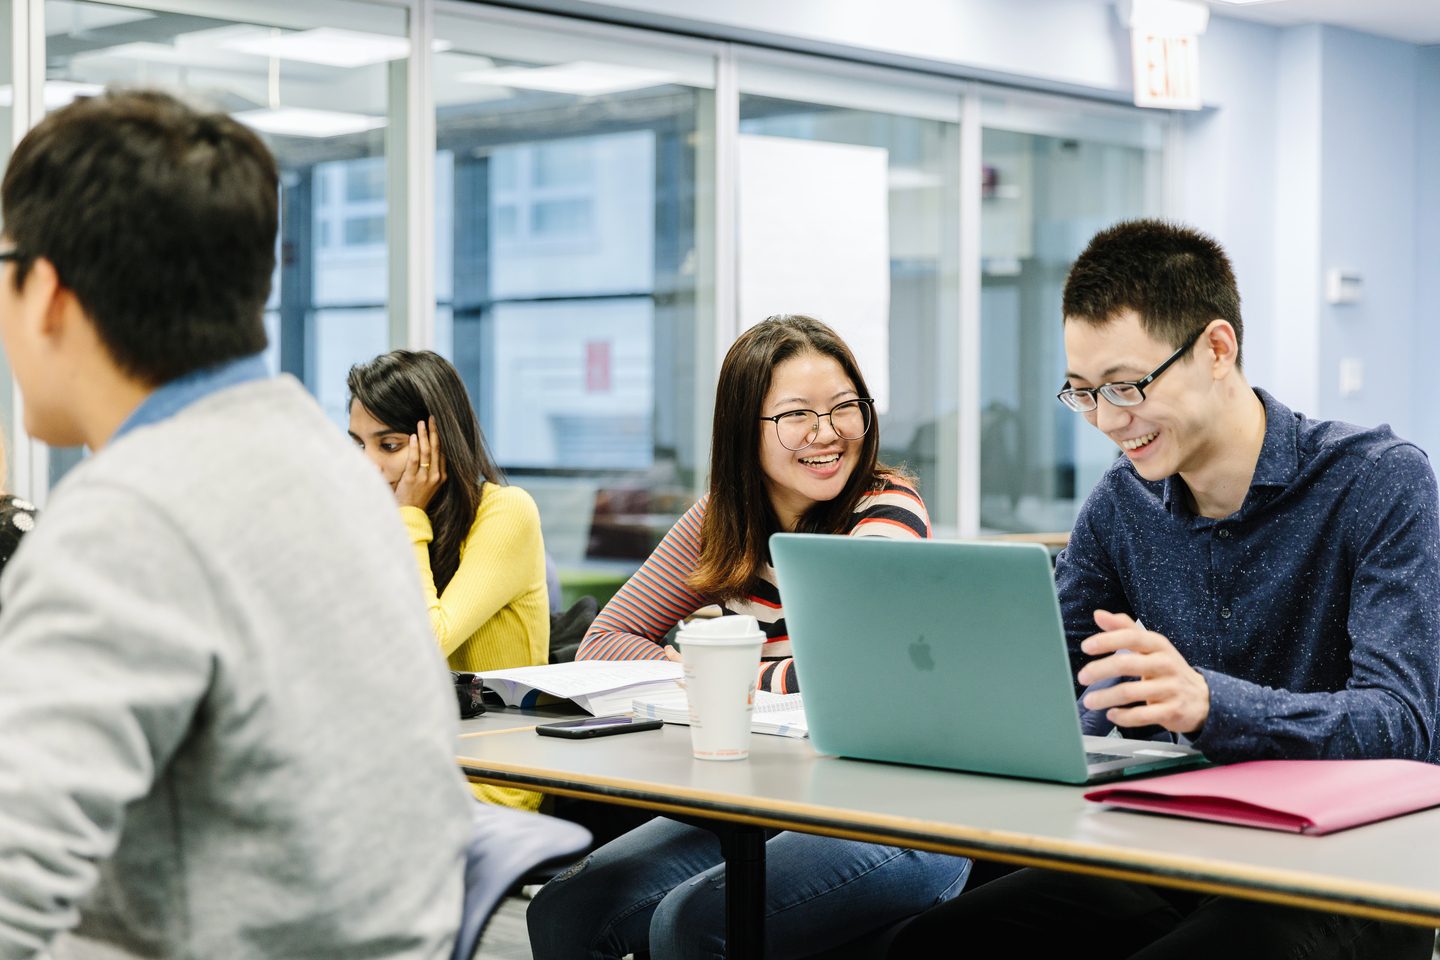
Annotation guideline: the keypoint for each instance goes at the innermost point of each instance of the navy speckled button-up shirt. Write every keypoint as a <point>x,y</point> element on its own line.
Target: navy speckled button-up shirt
<point>1313,611</point>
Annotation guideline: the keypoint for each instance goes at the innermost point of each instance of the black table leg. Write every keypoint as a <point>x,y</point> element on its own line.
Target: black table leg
<point>743,846</point>
<point>744,849</point>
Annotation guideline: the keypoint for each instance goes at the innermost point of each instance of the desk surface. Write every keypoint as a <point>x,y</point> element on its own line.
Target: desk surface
<point>1055,542</point>
<point>1388,870</point>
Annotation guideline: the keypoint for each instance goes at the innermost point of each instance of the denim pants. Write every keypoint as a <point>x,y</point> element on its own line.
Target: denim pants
<point>661,888</point>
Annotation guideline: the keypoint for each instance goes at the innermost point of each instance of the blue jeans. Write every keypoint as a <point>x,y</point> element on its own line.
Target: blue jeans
<point>661,887</point>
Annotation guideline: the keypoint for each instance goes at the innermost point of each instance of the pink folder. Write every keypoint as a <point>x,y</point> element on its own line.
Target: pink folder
<point>1300,796</point>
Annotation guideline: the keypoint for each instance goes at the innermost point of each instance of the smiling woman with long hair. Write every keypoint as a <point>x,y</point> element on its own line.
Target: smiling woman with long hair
<point>795,448</point>
<point>775,464</point>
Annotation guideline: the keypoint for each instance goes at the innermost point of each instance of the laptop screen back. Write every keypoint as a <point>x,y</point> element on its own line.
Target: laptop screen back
<point>932,653</point>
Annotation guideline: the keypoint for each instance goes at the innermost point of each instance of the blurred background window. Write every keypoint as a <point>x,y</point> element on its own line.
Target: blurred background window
<point>575,279</point>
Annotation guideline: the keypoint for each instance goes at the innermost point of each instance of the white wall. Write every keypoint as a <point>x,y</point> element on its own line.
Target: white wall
<point>1367,206</point>
<point>1294,217</point>
<point>1227,186</point>
<point>1054,43</point>
<point>1426,405</point>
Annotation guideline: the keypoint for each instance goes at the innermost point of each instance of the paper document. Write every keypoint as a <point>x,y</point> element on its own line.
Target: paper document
<point>601,687</point>
<point>778,714</point>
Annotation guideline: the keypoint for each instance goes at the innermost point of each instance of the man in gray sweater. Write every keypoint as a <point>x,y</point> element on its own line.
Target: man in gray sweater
<point>225,729</point>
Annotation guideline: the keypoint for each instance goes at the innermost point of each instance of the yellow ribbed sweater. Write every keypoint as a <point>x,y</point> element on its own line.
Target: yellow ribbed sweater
<point>495,611</point>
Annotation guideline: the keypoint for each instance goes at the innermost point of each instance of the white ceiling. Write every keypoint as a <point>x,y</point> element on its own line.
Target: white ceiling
<point>1415,21</point>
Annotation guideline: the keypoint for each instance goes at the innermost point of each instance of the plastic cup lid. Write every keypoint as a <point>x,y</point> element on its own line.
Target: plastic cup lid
<point>730,629</point>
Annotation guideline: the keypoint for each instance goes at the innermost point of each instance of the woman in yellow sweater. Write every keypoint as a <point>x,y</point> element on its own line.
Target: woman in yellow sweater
<point>477,540</point>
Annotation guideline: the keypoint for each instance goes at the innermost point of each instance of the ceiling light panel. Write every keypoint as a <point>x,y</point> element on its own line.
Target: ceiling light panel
<point>302,122</point>
<point>581,78</point>
<point>328,46</point>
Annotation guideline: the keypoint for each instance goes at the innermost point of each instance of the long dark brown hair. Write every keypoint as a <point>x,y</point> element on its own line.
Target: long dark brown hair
<point>735,533</point>
<point>403,387</point>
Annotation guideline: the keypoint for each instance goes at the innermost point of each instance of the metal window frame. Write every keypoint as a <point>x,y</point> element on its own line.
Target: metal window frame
<point>30,459</point>
<point>967,512</point>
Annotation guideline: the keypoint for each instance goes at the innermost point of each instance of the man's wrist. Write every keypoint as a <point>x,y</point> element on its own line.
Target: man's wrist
<point>1199,726</point>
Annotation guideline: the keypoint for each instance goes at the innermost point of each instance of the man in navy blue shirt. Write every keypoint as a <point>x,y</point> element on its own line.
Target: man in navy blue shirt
<point>1263,584</point>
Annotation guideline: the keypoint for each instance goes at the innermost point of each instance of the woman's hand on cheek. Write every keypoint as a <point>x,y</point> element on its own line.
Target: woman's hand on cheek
<point>424,468</point>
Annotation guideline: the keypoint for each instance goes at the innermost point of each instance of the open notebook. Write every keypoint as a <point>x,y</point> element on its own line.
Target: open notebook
<point>601,687</point>
<point>778,714</point>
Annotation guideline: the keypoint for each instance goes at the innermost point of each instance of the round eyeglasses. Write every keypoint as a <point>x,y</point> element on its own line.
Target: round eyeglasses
<point>797,429</point>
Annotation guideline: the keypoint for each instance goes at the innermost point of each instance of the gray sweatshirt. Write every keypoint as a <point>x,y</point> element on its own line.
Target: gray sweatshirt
<point>225,728</point>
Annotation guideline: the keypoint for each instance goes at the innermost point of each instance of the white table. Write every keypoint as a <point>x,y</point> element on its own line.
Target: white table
<point>1388,870</point>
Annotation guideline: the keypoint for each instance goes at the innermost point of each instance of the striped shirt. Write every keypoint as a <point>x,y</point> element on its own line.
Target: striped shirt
<point>635,621</point>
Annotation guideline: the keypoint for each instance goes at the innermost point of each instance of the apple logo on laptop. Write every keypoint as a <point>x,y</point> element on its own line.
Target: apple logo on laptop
<point>920,654</point>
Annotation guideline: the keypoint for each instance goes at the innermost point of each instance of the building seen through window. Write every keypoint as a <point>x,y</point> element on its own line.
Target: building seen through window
<point>573,286</point>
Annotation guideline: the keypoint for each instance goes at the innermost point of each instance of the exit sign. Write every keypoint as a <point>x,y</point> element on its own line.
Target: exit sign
<point>1167,70</point>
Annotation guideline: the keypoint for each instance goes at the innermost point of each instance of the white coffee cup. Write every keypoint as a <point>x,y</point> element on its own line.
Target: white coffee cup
<point>722,661</point>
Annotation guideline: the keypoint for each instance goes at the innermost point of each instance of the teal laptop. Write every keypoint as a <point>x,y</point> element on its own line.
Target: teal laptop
<point>943,654</point>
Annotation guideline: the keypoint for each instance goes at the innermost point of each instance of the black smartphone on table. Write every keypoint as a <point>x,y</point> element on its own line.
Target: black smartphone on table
<point>587,727</point>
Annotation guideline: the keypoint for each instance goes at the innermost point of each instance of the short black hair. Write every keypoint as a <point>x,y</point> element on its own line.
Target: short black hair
<point>161,219</point>
<point>1175,277</point>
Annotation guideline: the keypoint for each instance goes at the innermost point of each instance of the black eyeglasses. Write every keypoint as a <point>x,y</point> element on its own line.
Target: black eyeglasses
<point>1122,393</point>
<point>797,429</point>
<point>14,256</point>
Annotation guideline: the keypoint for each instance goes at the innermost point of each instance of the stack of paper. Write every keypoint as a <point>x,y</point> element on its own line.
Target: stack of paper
<point>778,714</point>
<point>601,687</point>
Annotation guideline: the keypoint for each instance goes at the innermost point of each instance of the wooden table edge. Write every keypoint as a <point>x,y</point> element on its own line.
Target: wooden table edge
<point>491,733</point>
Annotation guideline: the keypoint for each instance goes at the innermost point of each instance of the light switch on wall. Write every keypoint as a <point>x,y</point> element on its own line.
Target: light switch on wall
<point>1343,286</point>
<point>1352,376</point>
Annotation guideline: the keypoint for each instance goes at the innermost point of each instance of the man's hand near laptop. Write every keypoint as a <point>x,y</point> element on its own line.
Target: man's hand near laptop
<point>1162,689</point>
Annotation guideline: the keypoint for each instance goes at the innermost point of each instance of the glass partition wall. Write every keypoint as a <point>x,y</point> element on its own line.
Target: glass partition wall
<point>601,210</point>
<point>573,290</point>
<point>1050,180</point>
<point>849,208</point>
<point>316,81</point>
